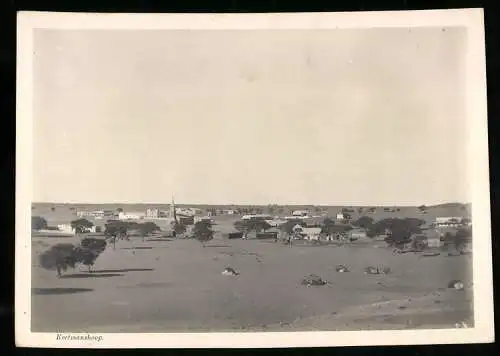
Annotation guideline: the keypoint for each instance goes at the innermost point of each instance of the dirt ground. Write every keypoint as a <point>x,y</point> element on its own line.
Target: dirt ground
<point>177,286</point>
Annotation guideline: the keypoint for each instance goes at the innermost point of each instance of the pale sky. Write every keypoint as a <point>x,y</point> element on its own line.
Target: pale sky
<point>357,117</point>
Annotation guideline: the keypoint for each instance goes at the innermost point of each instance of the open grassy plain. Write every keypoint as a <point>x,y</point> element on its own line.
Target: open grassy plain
<point>167,285</point>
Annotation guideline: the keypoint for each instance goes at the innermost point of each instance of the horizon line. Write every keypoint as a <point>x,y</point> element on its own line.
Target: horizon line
<point>258,204</point>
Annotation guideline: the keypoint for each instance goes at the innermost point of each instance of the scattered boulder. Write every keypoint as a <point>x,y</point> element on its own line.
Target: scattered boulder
<point>228,271</point>
<point>456,284</point>
<point>341,269</point>
<point>371,270</point>
<point>313,280</point>
<point>377,270</point>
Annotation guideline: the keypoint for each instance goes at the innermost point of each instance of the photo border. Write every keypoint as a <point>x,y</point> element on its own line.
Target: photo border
<point>476,113</point>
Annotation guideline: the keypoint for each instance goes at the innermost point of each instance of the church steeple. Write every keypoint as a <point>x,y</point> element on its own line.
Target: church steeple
<point>172,209</point>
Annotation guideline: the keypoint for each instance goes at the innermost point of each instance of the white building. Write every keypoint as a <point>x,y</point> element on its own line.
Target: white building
<point>311,233</point>
<point>257,216</point>
<point>152,213</point>
<point>203,218</point>
<point>184,211</point>
<point>307,233</point>
<point>131,215</point>
<point>68,229</point>
<point>276,222</point>
<point>449,221</point>
<point>357,234</point>
<point>296,217</point>
<point>93,214</point>
<point>300,213</point>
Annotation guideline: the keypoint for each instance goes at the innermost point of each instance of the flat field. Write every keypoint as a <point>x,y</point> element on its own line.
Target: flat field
<point>169,285</point>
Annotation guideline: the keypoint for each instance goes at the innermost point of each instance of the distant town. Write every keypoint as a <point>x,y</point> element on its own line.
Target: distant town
<point>315,224</point>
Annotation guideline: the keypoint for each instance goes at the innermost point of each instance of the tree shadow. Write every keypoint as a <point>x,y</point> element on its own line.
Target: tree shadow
<point>124,270</point>
<point>91,275</point>
<point>56,291</point>
<point>136,248</point>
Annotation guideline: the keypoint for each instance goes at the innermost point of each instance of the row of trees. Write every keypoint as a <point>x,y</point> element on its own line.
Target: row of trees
<point>398,231</point>
<point>60,257</point>
<point>121,230</point>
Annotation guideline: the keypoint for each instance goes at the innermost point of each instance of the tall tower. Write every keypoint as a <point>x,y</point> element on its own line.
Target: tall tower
<point>173,214</point>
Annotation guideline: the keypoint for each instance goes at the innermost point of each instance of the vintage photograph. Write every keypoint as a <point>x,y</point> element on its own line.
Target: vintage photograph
<point>252,180</point>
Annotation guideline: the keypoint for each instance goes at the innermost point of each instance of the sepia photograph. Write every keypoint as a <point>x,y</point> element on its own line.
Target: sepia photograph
<point>252,180</point>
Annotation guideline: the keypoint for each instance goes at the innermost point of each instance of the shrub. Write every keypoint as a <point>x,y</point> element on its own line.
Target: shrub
<point>38,223</point>
<point>179,228</point>
<point>364,222</point>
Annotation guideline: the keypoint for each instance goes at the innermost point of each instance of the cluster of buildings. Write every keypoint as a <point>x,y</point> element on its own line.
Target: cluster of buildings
<point>451,221</point>
<point>96,214</point>
<point>173,213</point>
<point>309,228</point>
<point>68,229</point>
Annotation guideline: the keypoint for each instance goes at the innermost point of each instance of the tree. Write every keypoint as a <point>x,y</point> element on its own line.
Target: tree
<point>115,230</point>
<point>89,250</point>
<point>461,237</point>
<point>258,225</point>
<point>328,226</point>
<point>363,222</point>
<point>147,228</point>
<point>466,221</point>
<point>399,230</point>
<point>241,226</point>
<point>203,232</point>
<point>179,228</point>
<point>38,223</point>
<point>247,226</point>
<point>59,257</point>
<point>371,233</point>
<point>290,224</point>
<point>81,225</point>
<point>121,230</point>
<point>119,210</point>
